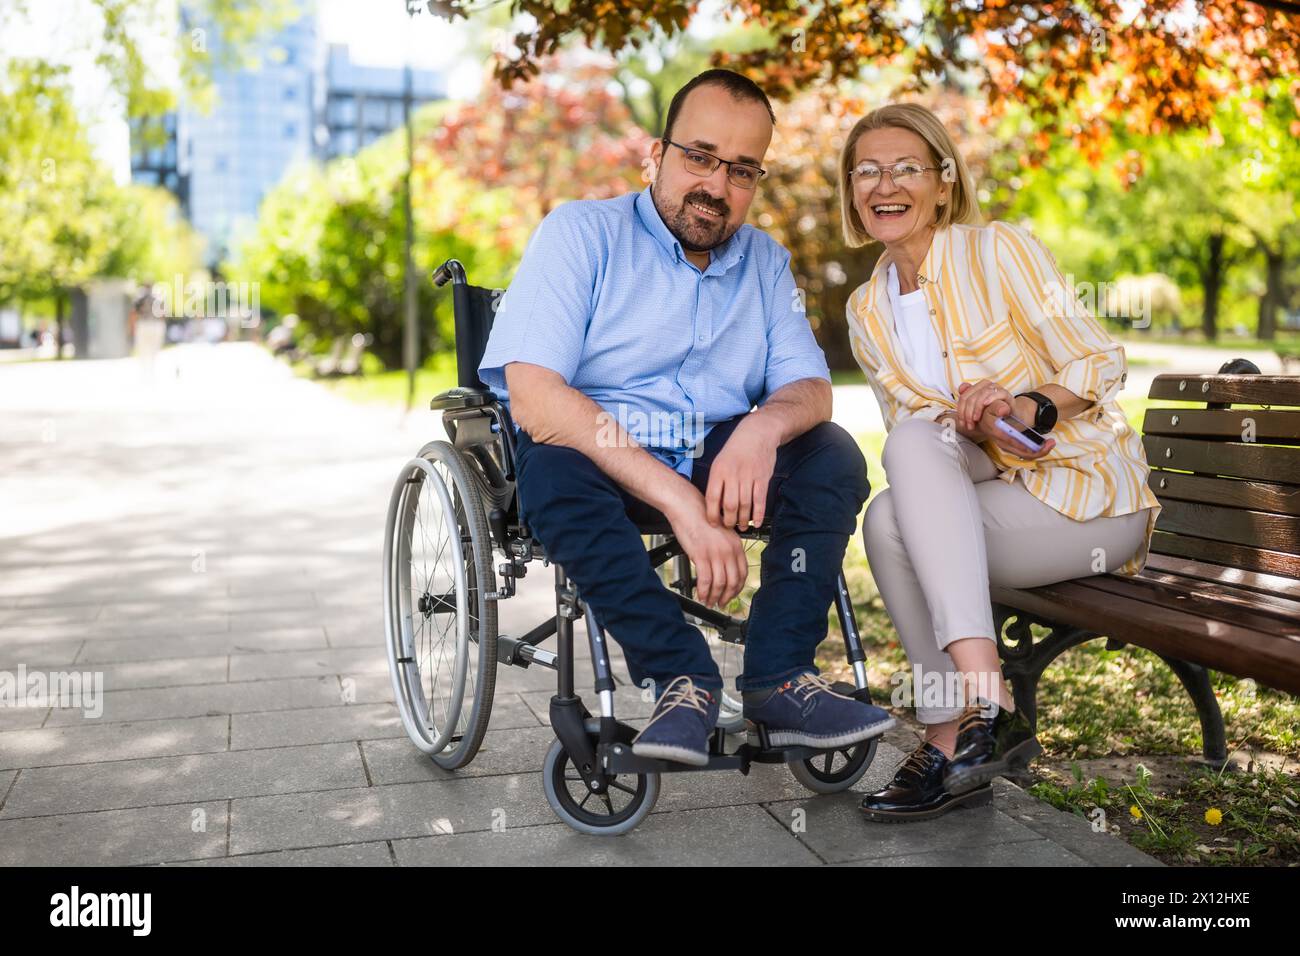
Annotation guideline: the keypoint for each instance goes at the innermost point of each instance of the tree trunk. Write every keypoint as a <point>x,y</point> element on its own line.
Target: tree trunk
<point>1274,295</point>
<point>1212,281</point>
<point>58,327</point>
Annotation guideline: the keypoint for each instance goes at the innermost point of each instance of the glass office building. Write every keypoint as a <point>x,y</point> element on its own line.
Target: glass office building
<point>300,103</point>
<point>260,124</point>
<point>362,103</point>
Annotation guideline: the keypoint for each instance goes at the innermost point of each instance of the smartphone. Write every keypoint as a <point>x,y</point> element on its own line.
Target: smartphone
<point>1021,432</point>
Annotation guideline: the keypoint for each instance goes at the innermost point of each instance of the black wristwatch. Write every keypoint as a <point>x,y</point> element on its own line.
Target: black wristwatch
<point>1045,416</point>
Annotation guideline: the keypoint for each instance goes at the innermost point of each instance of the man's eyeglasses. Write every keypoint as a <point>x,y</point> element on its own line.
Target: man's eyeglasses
<point>868,174</point>
<point>703,164</point>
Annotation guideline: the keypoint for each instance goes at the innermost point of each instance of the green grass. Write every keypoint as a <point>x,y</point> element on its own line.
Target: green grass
<point>376,385</point>
<point>1286,339</point>
<point>1214,818</point>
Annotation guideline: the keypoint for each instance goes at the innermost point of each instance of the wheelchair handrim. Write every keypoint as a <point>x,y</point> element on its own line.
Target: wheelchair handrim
<point>404,668</point>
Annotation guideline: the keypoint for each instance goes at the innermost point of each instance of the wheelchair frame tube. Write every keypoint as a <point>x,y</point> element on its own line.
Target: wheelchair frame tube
<point>600,663</point>
<point>563,637</point>
<point>849,626</point>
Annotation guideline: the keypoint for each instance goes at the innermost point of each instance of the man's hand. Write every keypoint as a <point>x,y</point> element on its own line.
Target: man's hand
<point>718,554</point>
<point>740,474</point>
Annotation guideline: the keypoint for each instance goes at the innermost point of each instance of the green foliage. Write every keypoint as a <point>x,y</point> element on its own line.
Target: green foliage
<point>63,219</point>
<point>211,31</point>
<point>329,246</point>
<point>1157,203</point>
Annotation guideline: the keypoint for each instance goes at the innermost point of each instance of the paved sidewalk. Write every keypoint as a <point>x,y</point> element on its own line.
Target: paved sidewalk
<point>207,537</point>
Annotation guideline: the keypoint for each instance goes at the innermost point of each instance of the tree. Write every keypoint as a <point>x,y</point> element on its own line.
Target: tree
<point>1080,67</point>
<point>328,245</point>
<point>1192,204</point>
<point>564,136</point>
<point>119,49</point>
<point>63,219</point>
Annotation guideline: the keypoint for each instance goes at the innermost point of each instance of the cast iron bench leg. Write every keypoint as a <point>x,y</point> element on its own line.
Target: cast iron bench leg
<point>1025,659</point>
<point>1196,679</point>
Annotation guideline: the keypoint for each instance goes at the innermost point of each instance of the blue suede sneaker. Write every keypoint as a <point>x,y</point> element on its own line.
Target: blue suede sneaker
<point>805,712</point>
<point>681,725</point>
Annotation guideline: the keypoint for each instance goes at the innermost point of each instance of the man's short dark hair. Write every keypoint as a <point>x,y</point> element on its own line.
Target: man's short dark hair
<point>740,87</point>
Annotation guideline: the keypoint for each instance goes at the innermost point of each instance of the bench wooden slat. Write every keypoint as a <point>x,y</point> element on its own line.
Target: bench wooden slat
<point>1278,463</point>
<point>1236,525</point>
<point>1237,577</point>
<point>1233,389</point>
<point>1242,652</point>
<point>1215,602</point>
<point>1219,552</point>
<point>1280,426</point>
<point>1232,492</point>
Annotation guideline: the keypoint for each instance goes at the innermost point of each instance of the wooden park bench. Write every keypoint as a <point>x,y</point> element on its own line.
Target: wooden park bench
<point>337,364</point>
<point>1221,587</point>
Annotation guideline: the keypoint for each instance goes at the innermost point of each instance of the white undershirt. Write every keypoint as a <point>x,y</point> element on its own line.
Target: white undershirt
<point>920,347</point>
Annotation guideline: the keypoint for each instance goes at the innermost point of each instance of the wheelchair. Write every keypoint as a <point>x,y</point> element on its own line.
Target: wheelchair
<point>454,513</point>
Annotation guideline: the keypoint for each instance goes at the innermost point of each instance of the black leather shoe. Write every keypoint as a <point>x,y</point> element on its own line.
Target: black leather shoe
<point>989,747</point>
<point>917,791</point>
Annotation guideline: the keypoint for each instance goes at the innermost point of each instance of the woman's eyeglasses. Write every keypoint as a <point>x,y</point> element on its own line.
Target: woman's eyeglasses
<point>868,174</point>
<point>703,164</point>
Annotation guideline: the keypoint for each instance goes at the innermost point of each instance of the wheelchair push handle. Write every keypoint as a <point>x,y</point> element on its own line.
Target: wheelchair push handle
<point>450,270</point>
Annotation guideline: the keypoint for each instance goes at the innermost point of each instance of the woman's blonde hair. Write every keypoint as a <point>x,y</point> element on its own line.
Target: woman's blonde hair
<point>962,205</point>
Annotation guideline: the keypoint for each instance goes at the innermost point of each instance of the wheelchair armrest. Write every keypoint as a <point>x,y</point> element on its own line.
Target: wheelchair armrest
<point>462,398</point>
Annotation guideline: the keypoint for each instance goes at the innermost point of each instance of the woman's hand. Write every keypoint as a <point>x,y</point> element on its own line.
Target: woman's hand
<point>980,406</point>
<point>974,399</point>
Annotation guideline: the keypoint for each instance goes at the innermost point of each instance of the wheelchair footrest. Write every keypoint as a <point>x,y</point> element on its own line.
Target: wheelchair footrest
<point>619,758</point>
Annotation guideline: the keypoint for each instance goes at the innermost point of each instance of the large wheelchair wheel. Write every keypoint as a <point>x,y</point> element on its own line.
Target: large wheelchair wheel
<point>835,770</point>
<point>626,802</point>
<point>440,613</point>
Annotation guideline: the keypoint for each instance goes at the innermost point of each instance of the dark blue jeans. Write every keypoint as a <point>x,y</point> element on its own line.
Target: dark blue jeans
<point>588,524</point>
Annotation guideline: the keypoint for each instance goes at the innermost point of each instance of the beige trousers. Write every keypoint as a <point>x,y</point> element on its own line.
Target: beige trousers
<point>947,527</point>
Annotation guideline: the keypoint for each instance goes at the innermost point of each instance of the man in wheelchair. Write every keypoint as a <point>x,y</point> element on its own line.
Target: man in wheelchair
<point>631,346</point>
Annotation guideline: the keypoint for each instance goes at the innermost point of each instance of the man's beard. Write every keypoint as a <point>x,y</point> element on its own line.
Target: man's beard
<point>686,227</point>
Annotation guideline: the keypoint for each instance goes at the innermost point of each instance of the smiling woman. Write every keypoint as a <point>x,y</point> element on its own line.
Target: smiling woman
<point>973,361</point>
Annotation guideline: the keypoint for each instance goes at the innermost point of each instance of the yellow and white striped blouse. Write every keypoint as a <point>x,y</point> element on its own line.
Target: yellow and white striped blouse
<point>1001,311</point>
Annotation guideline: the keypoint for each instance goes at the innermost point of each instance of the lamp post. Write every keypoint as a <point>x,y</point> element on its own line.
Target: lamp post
<point>411,340</point>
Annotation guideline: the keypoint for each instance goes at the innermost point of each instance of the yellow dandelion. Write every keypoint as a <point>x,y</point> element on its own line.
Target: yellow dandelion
<point>1213,816</point>
<point>1136,811</point>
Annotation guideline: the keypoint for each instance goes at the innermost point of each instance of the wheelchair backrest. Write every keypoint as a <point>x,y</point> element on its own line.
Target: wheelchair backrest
<point>475,308</point>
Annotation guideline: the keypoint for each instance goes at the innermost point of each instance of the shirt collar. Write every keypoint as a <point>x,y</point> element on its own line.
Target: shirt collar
<point>721,259</point>
<point>930,265</point>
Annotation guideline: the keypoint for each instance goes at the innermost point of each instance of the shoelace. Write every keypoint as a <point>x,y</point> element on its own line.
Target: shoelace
<point>682,692</point>
<point>916,762</point>
<point>810,684</point>
<point>971,717</point>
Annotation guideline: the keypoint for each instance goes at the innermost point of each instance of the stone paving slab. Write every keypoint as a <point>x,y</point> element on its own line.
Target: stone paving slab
<point>737,836</point>
<point>356,854</point>
<point>155,781</point>
<point>288,694</point>
<point>116,837</point>
<point>107,651</point>
<point>92,742</point>
<point>163,672</point>
<point>309,663</point>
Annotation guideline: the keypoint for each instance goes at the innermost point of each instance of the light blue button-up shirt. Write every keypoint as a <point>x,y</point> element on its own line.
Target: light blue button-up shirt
<point>606,297</point>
